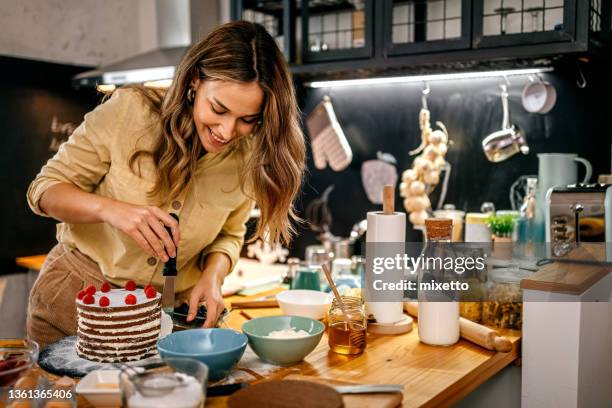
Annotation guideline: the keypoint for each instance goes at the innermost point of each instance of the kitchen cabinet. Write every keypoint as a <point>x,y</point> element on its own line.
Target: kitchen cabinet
<point>501,23</point>
<point>277,16</point>
<point>418,26</point>
<point>336,29</point>
<point>322,37</point>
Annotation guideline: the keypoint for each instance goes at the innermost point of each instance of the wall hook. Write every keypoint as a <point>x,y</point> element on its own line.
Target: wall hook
<point>424,94</point>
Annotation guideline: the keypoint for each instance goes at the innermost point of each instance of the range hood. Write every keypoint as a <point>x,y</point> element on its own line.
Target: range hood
<point>177,22</point>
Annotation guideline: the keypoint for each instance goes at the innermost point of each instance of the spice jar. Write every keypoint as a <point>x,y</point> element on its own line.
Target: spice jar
<point>347,337</point>
<point>503,307</point>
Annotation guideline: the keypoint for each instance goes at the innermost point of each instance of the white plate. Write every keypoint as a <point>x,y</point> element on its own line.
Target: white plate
<point>101,388</point>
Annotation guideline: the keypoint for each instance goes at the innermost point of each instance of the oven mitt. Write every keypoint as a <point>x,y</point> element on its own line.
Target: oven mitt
<point>329,144</point>
<point>375,174</point>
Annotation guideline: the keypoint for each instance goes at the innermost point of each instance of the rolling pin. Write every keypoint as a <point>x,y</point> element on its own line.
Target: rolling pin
<point>474,332</point>
<point>252,304</point>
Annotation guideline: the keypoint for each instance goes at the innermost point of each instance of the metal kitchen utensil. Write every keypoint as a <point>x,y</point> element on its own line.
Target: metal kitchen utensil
<point>503,144</point>
<point>170,272</point>
<point>369,388</point>
<point>151,383</point>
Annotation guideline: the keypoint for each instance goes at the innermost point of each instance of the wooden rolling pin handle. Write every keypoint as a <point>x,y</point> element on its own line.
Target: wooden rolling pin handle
<point>502,344</point>
<point>253,304</point>
<point>388,199</point>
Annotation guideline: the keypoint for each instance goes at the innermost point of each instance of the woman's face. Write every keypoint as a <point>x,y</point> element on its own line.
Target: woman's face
<point>225,111</point>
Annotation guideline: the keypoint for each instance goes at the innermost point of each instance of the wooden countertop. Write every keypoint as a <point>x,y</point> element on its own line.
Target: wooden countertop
<point>571,278</point>
<point>432,376</point>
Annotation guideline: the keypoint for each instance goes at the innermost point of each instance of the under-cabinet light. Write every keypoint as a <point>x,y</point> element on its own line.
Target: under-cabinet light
<point>105,88</point>
<point>161,84</point>
<point>138,75</point>
<point>427,78</point>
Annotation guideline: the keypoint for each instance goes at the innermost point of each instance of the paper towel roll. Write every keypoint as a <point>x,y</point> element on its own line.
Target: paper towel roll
<point>386,228</point>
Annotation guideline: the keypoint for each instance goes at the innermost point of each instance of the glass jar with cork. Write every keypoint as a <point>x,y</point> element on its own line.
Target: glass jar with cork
<point>438,319</point>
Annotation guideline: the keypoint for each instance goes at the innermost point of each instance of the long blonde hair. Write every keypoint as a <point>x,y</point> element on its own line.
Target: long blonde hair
<point>273,159</point>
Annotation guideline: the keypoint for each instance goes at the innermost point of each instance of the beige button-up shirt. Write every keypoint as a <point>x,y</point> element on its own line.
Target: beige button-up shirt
<point>213,210</point>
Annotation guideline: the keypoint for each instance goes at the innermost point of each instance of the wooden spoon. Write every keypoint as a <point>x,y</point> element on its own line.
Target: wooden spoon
<point>356,336</point>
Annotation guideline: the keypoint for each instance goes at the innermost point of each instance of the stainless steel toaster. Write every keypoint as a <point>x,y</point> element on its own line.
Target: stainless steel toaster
<point>578,213</point>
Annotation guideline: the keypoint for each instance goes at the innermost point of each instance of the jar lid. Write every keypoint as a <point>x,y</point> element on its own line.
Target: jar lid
<point>438,227</point>
<point>476,218</point>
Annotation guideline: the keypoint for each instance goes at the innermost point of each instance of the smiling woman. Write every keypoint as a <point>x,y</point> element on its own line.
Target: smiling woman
<point>225,135</point>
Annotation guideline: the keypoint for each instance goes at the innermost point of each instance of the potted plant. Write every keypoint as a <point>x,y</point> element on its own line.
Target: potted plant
<point>501,227</point>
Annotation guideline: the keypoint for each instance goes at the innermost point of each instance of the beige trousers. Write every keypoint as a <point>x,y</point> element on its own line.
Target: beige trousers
<point>52,309</point>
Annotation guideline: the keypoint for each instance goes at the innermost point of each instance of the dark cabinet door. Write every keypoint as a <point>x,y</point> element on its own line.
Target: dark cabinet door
<point>421,26</point>
<point>499,23</point>
<point>277,16</point>
<point>336,29</point>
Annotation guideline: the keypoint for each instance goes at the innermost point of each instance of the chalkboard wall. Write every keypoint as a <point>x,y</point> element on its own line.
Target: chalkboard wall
<point>385,118</point>
<point>31,94</point>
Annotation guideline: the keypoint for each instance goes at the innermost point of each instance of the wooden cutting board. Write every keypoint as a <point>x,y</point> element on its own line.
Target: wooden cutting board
<point>355,400</point>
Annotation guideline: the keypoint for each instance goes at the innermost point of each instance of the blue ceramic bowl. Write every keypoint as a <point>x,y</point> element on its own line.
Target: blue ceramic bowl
<point>219,349</point>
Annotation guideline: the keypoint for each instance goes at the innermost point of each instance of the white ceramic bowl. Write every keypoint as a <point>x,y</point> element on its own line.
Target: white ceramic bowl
<point>101,388</point>
<point>303,302</point>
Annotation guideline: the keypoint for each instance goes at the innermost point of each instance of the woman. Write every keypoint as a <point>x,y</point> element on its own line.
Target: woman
<point>225,134</point>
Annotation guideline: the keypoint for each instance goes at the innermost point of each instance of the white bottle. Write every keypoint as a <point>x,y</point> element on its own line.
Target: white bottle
<point>438,320</point>
<point>439,323</point>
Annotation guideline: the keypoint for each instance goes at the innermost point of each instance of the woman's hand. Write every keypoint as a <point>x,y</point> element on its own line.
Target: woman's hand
<point>208,289</point>
<point>145,225</point>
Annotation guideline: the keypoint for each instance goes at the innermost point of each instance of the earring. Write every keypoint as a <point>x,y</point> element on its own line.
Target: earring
<point>190,95</point>
<point>259,122</point>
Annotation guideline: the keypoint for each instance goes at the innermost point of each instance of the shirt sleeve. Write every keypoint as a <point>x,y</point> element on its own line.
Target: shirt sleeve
<point>85,157</point>
<point>230,239</point>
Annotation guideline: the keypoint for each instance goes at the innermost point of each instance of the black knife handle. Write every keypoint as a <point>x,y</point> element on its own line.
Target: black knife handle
<point>170,266</point>
<point>226,389</point>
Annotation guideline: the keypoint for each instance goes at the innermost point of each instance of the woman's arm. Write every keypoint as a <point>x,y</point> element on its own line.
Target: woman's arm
<point>144,224</point>
<point>64,187</point>
<point>219,259</point>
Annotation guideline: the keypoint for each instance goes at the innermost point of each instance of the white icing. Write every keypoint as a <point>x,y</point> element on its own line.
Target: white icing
<point>116,297</point>
<point>115,345</point>
<point>122,313</point>
<point>129,329</point>
<point>112,359</point>
<point>119,335</point>
<point>140,352</point>
<point>166,324</point>
<point>112,322</point>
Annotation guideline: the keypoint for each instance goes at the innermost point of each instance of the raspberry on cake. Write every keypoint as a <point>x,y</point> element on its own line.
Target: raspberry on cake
<point>109,329</point>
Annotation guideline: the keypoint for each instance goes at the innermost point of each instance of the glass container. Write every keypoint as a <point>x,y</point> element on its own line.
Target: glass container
<point>347,337</point>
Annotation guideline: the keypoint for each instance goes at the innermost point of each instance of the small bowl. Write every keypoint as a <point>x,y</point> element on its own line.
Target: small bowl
<point>101,388</point>
<point>219,349</point>
<point>16,357</point>
<point>303,302</point>
<point>282,351</point>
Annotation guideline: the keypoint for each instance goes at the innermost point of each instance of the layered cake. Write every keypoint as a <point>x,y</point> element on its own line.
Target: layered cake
<point>117,325</point>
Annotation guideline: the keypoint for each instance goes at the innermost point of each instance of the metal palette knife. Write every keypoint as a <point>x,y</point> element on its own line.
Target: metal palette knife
<point>170,272</point>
